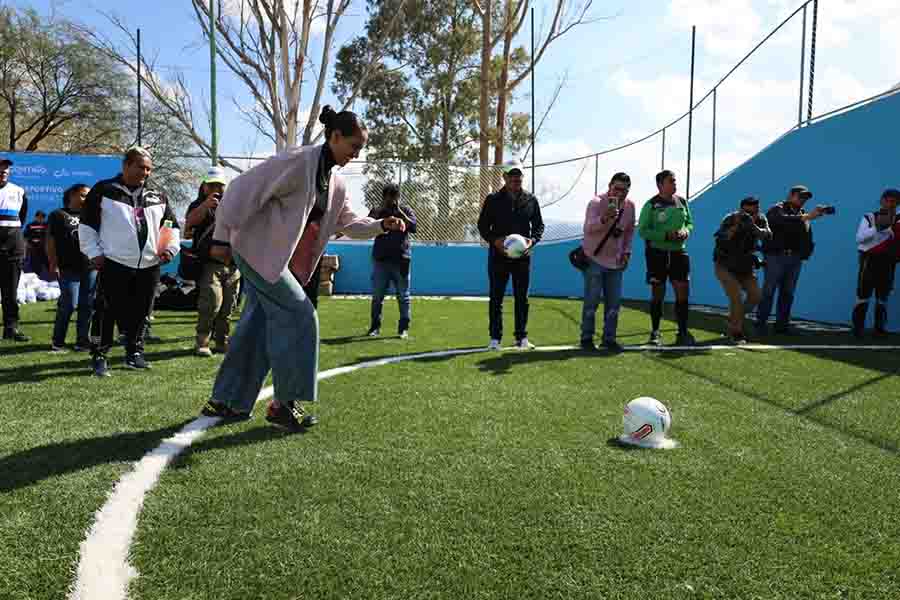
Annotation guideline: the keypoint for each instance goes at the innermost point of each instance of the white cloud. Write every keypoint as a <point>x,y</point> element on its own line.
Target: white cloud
<point>725,27</point>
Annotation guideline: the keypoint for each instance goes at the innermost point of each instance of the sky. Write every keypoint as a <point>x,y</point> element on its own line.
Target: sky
<point>628,74</point>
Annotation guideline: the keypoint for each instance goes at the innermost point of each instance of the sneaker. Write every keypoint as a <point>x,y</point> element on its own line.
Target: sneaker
<point>494,345</point>
<point>655,339</point>
<point>218,409</point>
<point>203,351</point>
<point>136,361</point>
<point>60,349</point>
<point>524,344</point>
<point>587,346</point>
<point>82,346</point>
<point>15,335</point>
<point>685,339</point>
<point>374,332</point>
<point>614,346</point>
<point>736,339</point>
<point>100,367</point>
<point>292,418</point>
<point>404,334</point>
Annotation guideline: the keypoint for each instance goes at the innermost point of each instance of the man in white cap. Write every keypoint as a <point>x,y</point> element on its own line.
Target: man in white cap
<point>510,210</point>
<point>13,208</point>
<point>218,283</point>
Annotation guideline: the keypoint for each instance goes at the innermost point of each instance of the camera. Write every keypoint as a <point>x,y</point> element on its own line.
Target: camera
<point>828,210</point>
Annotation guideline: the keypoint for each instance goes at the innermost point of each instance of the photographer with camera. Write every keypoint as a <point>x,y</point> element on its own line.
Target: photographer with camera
<point>608,234</point>
<point>790,245</point>
<point>877,239</point>
<point>217,281</point>
<point>735,262</point>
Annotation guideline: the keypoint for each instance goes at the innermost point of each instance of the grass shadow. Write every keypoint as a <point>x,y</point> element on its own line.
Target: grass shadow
<point>803,412</point>
<point>504,362</point>
<point>33,465</point>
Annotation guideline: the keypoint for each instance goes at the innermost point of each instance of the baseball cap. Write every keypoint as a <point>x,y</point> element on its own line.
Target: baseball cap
<point>802,190</point>
<point>512,166</point>
<point>750,200</point>
<point>216,175</point>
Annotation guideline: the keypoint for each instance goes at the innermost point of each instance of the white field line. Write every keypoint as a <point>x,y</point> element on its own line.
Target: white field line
<point>103,570</point>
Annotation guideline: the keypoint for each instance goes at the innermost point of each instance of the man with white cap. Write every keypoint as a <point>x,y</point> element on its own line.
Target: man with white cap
<point>511,210</point>
<point>13,208</point>
<point>218,284</point>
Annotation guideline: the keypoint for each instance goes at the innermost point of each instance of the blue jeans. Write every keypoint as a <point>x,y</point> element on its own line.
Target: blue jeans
<point>76,290</point>
<point>781,273</point>
<point>601,283</point>
<point>278,330</point>
<point>383,273</point>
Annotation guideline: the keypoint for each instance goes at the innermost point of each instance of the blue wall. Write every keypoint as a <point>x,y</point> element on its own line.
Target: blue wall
<point>45,176</point>
<point>846,160</point>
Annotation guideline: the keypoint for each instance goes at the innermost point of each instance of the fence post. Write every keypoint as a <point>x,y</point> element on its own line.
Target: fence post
<point>715,91</point>
<point>812,59</point>
<point>687,193</point>
<point>802,71</point>
<point>596,173</point>
<point>663,163</point>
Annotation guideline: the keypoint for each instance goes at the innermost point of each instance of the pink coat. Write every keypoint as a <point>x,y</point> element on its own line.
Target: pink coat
<point>264,211</point>
<point>611,256</point>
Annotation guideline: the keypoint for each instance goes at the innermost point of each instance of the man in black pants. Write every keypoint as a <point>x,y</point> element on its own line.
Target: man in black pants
<point>127,230</point>
<point>877,239</point>
<point>509,211</point>
<point>13,208</point>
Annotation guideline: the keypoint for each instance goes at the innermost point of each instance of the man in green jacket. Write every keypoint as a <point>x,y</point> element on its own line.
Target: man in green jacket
<point>666,223</point>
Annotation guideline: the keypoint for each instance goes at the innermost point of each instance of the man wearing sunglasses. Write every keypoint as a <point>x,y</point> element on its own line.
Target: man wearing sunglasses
<point>608,233</point>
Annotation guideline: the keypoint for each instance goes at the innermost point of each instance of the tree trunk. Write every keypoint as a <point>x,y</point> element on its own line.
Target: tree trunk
<point>502,92</point>
<point>12,125</point>
<point>484,112</point>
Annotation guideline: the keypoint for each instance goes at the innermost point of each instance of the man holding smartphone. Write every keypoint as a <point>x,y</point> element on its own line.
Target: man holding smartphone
<point>217,286</point>
<point>791,244</point>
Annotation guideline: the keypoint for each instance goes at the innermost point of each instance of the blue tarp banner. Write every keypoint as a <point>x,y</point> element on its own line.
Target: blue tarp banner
<point>46,176</point>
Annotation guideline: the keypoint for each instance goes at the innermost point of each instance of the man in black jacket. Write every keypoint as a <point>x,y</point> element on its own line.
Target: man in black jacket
<point>790,245</point>
<point>391,260</point>
<point>127,230</point>
<point>511,210</point>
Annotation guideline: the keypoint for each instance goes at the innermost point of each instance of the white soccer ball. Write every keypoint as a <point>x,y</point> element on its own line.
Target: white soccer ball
<point>515,245</point>
<point>646,423</point>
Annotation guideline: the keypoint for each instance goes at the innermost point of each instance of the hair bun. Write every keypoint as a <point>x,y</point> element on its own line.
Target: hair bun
<point>328,115</point>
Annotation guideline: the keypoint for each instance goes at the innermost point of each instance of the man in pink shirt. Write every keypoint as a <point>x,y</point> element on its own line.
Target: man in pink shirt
<point>608,233</point>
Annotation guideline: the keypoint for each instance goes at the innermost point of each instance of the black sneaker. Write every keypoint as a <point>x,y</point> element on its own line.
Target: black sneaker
<point>218,409</point>
<point>15,335</point>
<point>655,339</point>
<point>614,346</point>
<point>736,339</point>
<point>685,339</point>
<point>136,361</point>
<point>100,367</point>
<point>588,346</point>
<point>82,346</point>
<point>289,418</point>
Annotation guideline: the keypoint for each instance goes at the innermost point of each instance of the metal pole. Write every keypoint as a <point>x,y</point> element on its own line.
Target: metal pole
<point>596,173</point>
<point>533,147</point>
<point>662,166</point>
<point>715,91</point>
<point>802,71</point>
<point>687,192</point>
<point>140,119</point>
<point>812,58</point>
<point>212,83</point>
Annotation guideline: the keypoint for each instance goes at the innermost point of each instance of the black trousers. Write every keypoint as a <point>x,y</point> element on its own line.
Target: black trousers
<point>10,272</point>
<point>499,272</point>
<point>124,296</point>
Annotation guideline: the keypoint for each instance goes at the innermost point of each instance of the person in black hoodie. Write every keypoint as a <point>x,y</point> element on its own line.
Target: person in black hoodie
<point>511,210</point>
<point>391,260</point>
<point>13,208</point>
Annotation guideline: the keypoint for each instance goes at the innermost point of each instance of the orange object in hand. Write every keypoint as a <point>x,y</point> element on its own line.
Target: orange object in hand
<point>166,235</point>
